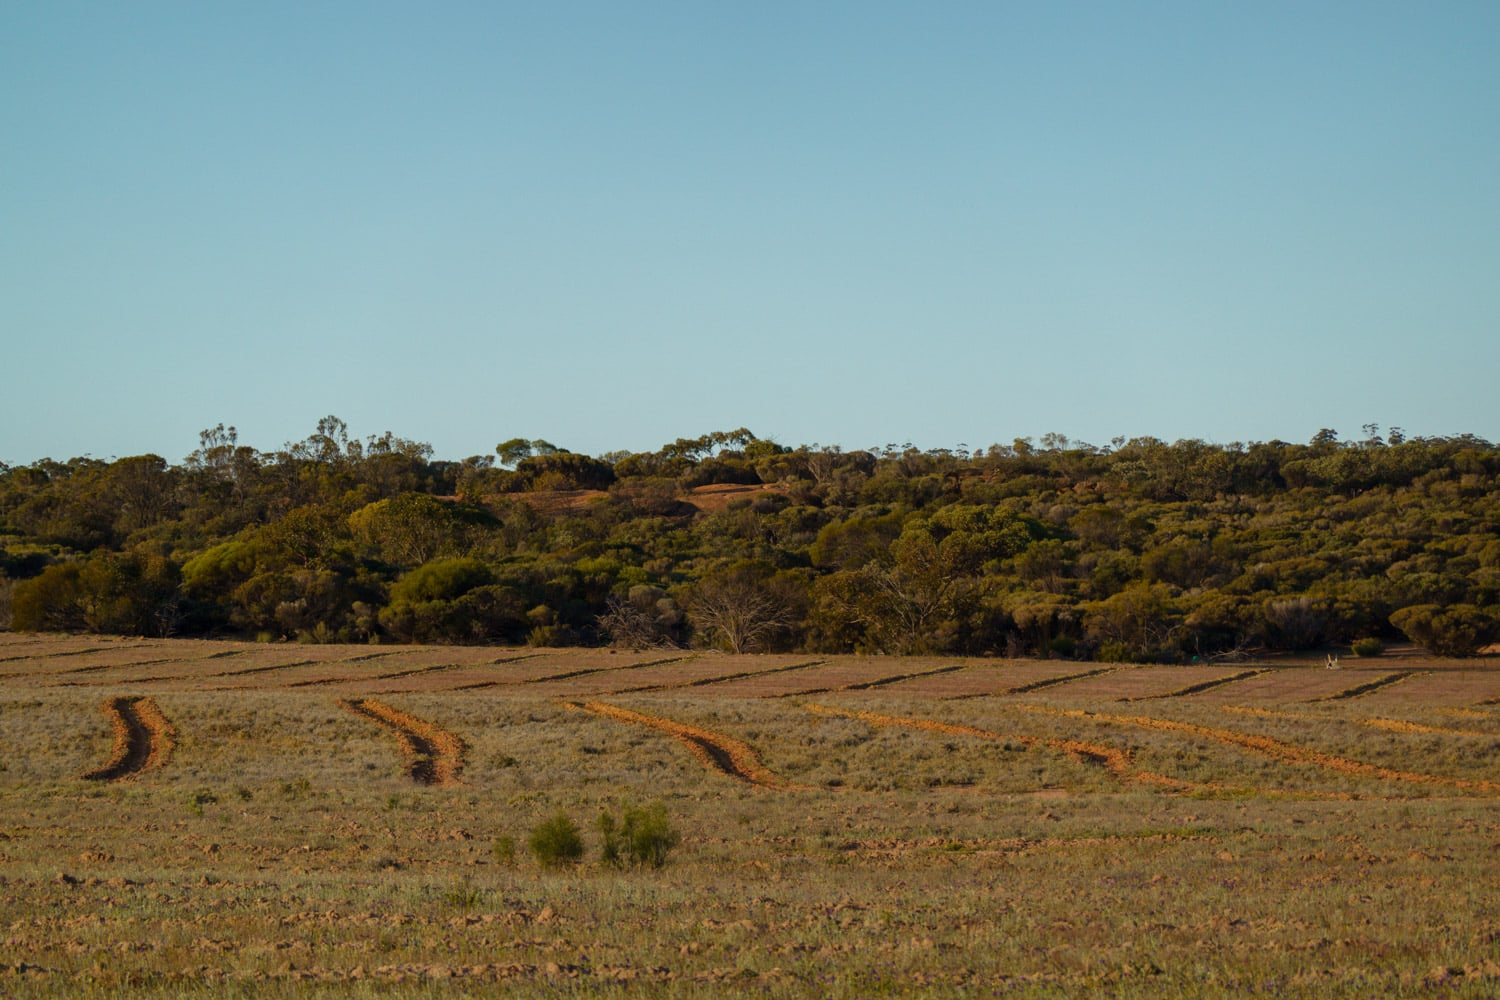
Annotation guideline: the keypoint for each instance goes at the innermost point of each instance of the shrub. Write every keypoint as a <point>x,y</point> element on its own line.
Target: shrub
<point>50,602</point>
<point>552,635</point>
<point>197,800</point>
<point>1295,622</point>
<point>1370,646</point>
<point>610,833</point>
<point>503,849</point>
<point>464,896</point>
<point>556,842</point>
<point>1456,630</point>
<point>642,837</point>
<point>441,580</point>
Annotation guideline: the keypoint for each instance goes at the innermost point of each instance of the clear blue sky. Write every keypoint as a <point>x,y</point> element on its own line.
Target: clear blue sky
<point>614,224</point>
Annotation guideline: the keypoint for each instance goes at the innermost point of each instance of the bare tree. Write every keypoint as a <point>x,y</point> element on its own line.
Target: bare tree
<point>646,619</point>
<point>739,608</point>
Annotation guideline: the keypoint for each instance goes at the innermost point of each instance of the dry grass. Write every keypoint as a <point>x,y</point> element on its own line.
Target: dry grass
<point>934,835</point>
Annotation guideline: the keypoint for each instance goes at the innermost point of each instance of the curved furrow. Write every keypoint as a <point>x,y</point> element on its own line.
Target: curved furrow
<point>143,739</point>
<point>433,756</point>
<point>1390,725</point>
<point>1288,753</point>
<point>1118,762</point>
<point>724,754</point>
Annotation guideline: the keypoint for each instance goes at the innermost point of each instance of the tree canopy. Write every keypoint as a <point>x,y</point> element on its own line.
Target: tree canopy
<point>1141,550</point>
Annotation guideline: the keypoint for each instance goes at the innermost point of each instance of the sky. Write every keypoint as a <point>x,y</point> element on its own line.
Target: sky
<point>611,225</point>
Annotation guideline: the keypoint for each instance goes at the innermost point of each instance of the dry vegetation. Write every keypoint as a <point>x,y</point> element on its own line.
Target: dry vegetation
<point>327,823</point>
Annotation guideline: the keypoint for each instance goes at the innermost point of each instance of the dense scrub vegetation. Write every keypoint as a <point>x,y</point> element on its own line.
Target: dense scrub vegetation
<point>1141,550</point>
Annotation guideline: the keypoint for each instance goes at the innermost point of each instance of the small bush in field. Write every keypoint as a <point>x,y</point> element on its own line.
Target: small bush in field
<point>1111,651</point>
<point>503,849</point>
<point>641,837</point>
<point>556,842</point>
<point>1367,647</point>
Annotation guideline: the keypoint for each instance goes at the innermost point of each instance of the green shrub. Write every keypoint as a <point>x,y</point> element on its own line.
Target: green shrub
<point>610,834</point>
<point>464,896</point>
<point>1452,630</point>
<point>552,635</point>
<point>51,602</point>
<point>642,837</point>
<point>197,800</point>
<point>503,849</point>
<point>556,842</point>
<point>1370,646</point>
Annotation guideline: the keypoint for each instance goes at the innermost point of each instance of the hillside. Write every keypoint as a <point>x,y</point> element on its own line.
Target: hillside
<point>1136,552</point>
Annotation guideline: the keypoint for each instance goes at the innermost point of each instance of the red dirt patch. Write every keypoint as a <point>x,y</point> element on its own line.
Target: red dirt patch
<point>718,496</point>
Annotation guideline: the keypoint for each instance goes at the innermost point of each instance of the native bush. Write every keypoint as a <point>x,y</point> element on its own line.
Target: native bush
<point>1456,630</point>
<point>1369,646</point>
<point>641,837</point>
<point>556,842</point>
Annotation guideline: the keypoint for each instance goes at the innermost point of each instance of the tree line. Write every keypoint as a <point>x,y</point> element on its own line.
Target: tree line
<point>1136,551</point>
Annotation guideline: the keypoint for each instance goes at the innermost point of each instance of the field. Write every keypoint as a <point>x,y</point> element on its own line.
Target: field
<point>193,818</point>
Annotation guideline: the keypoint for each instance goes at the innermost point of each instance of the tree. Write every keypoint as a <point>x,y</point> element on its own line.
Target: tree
<point>645,619</point>
<point>329,444</point>
<point>1042,619</point>
<point>1138,623</point>
<point>1459,630</point>
<point>852,543</point>
<point>407,530</point>
<point>125,593</point>
<point>563,470</point>
<point>142,491</point>
<point>918,600</point>
<point>453,600</point>
<point>1296,622</point>
<point>740,608</point>
<point>49,602</point>
<point>310,535</point>
<point>131,593</point>
<point>513,451</point>
<point>218,449</point>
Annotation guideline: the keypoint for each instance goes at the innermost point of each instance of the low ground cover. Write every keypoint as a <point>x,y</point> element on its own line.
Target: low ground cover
<point>947,840</point>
